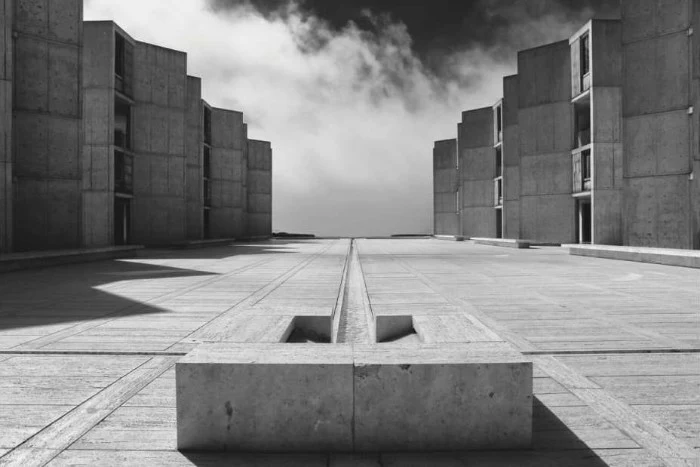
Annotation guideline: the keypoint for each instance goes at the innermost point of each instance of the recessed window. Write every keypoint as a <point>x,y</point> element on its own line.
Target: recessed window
<point>585,56</point>
<point>582,124</point>
<point>207,125</point>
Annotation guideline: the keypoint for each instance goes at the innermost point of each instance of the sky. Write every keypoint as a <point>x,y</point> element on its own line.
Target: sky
<point>352,94</point>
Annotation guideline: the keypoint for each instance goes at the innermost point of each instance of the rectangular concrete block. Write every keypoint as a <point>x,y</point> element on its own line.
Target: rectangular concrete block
<point>65,20</point>
<point>543,75</point>
<point>477,128</point>
<point>31,61</point>
<point>64,148</point>
<point>64,80</point>
<point>478,163</point>
<point>607,217</point>
<point>478,193</point>
<point>31,132</point>
<point>265,398</point>
<point>511,221</point>
<point>31,16</point>
<point>363,398</point>
<point>546,174</point>
<point>657,144</point>
<point>98,116</point>
<point>479,221</point>
<point>548,218</point>
<point>97,217</point>
<point>646,18</point>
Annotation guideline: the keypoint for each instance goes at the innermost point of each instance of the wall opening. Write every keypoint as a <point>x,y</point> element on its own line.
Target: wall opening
<point>584,221</point>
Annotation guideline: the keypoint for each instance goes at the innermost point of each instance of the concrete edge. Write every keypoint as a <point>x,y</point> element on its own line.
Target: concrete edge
<point>453,238</point>
<point>40,259</point>
<point>663,256</point>
<point>504,242</point>
<point>192,244</point>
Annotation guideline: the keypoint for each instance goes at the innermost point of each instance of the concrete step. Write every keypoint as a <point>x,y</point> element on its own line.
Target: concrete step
<point>42,259</point>
<point>666,256</point>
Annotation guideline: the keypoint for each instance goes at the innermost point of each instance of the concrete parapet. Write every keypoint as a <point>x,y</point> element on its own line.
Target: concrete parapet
<point>385,397</point>
<point>666,256</point>
<point>42,259</point>
<point>506,242</point>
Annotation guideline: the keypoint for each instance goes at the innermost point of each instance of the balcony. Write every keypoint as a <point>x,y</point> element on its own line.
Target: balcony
<point>586,82</point>
<point>123,173</point>
<point>498,192</point>
<point>122,139</point>
<point>582,173</point>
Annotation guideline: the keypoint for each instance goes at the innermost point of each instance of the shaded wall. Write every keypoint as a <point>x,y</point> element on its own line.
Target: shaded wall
<point>657,132</point>
<point>695,130</point>
<point>46,126</point>
<point>98,130</point>
<point>545,124</point>
<point>226,174</point>
<point>259,188</point>
<point>160,88</point>
<point>477,166</point>
<point>511,158</point>
<point>193,158</point>
<point>606,131</point>
<point>445,188</point>
<point>6,126</point>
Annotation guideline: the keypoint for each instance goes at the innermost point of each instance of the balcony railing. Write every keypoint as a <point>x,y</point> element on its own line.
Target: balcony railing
<point>582,173</point>
<point>122,139</point>
<point>498,191</point>
<point>586,82</point>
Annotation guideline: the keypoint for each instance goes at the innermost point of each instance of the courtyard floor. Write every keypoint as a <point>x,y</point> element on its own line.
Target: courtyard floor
<point>87,351</point>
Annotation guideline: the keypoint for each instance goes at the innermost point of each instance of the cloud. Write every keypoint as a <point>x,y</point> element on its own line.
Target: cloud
<point>352,114</point>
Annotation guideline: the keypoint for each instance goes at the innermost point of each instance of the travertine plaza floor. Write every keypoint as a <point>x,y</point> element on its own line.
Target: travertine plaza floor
<point>87,351</point>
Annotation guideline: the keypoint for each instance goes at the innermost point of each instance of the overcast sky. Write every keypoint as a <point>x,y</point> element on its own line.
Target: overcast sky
<point>352,94</point>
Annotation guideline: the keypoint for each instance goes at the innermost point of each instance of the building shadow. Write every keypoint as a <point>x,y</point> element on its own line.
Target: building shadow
<point>273,246</point>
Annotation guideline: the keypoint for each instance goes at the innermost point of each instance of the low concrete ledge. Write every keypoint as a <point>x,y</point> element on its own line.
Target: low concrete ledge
<point>41,259</point>
<point>362,398</point>
<point>191,244</point>
<point>666,256</point>
<point>506,242</point>
<point>452,238</point>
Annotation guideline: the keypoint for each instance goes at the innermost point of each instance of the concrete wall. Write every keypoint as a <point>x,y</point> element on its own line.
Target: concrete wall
<point>46,127</point>
<point>657,132</point>
<point>445,188</point>
<point>478,166</point>
<point>695,190</point>
<point>511,159</point>
<point>606,131</point>
<point>259,188</point>
<point>193,157</point>
<point>244,180</point>
<point>545,127</point>
<point>6,125</point>
<point>227,174</point>
<point>98,128</point>
<point>160,89</point>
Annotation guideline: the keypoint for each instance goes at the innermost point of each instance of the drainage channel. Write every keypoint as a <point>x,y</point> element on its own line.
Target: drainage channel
<point>356,323</point>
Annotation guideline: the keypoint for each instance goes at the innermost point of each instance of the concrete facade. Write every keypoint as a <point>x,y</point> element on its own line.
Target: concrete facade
<point>600,137</point>
<point>660,190</point>
<point>194,130</point>
<point>6,75</point>
<point>259,187</point>
<point>477,167</point>
<point>45,65</point>
<point>446,188</point>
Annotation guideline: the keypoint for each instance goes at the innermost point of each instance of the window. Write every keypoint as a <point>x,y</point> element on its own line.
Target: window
<point>206,166</point>
<point>119,49</point>
<point>584,50</point>
<point>586,170</point>
<point>582,124</point>
<point>499,123</point>
<point>499,162</point>
<point>123,64</point>
<point>122,125</point>
<point>123,173</point>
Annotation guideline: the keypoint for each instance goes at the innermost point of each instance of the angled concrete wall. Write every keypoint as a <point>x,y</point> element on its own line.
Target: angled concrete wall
<point>445,188</point>
<point>98,130</point>
<point>606,131</point>
<point>227,174</point>
<point>657,132</point>
<point>193,157</point>
<point>259,188</point>
<point>695,190</point>
<point>160,88</point>
<point>478,166</point>
<point>545,124</point>
<point>511,158</point>
<point>244,181</point>
<point>6,125</point>
<point>46,126</point>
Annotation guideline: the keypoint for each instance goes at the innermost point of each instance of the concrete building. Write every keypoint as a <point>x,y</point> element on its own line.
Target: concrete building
<point>446,197</point>
<point>40,111</point>
<point>259,188</point>
<point>105,140</point>
<point>595,140</point>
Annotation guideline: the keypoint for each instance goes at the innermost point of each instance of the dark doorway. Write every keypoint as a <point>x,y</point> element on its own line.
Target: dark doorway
<point>585,222</point>
<point>499,223</point>
<point>122,221</point>
<point>206,224</point>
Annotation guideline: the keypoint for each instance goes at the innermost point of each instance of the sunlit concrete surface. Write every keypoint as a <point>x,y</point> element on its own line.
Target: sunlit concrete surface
<point>87,351</point>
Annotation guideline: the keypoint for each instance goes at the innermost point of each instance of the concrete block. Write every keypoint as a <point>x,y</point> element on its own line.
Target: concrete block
<point>543,75</point>
<point>31,17</point>
<point>142,115</point>
<point>502,242</point>
<point>142,175</point>
<point>31,132</point>
<point>64,80</point>
<point>176,176</point>
<point>607,115</point>
<point>479,222</point>
<point>98,210</point>
<point>477,128</point>
<point>656,75</point>
<point>548,218</point>
<point>511,182</point>
<point>510,101</point>
<point>445,154</point>
<point>446,223</point>
<point>177,85</point>
<point>30,215</point>
<point>194,183</point>
<point>511,221</point>
<point>98,116</point>
<point>445,181</point>
<point>159,122</point>
<point>478,193</point>
<point>65,20</point>
<point>511,146</point>
<point>546,174</point>
<point>259,203</point>
<point>98,54</point>
<point>478,163</point>
<point>64,149</point>
<point>215,410</point>
<point>669,257</point>
<point>176,131</point>
<point>607,217</point>
<point>405,399</point>
<point>6,40</point>
<point>657,144</point>
<point>159,76</point>
<point>607,173</point>
<point>6,202</point>
<point>31,60</point>
<point>159,174</point>
<point>63,214</point>
<point>144,57</point>
<point>606,53</point>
